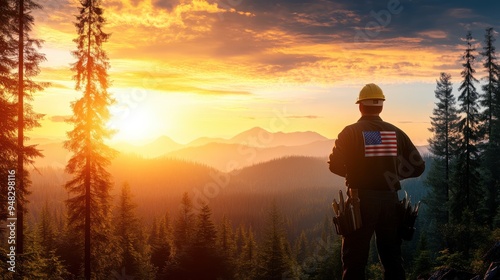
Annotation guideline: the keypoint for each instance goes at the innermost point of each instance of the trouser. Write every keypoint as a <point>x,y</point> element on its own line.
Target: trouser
<point>380,215</point>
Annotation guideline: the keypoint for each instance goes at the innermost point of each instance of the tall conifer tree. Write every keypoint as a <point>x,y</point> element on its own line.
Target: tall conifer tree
<point>8,144</point>
<point>491,127</point>
<point>274,260</point>
<point>135,256</point>
<point>126,230</point>
<point>45,229</point>
<point>89,206</point>
<point>443,145</point>
<point>200,258</point>
<point>226,241</point>
<point>184,224</point>
<point>205,252</point>
<point>247,263</point>
<point>466,191</point>
<point>490,88</point>
<point>27,59</point>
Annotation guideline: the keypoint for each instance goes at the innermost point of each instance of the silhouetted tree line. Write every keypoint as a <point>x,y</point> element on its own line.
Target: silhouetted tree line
<point>462,215</point>
<point>19,64</point>
<point>186,245</point>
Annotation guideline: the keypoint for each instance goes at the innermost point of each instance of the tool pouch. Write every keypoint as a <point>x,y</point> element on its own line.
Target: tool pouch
<point>347,215</point>
<point>344,224</point>
<point>407,228</point>
<point>408,216</point>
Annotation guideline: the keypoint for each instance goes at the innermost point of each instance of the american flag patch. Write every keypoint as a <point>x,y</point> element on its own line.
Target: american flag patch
<point>380,143</point>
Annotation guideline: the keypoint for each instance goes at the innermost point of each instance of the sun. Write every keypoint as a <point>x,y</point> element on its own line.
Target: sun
<point>134,126</point>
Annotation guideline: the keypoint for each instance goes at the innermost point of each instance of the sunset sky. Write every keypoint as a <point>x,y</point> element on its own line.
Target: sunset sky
<point>192,68</point>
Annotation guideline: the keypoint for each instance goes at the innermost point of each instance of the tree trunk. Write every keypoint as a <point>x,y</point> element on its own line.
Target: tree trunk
<point>20,137</point>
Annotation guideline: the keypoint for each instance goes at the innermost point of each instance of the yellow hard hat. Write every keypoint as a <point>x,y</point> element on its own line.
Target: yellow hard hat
<point>370,92</point>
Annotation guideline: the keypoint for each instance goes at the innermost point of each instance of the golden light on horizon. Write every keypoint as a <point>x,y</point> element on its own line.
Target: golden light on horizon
<point>215,70</point>
<point>133,126</point>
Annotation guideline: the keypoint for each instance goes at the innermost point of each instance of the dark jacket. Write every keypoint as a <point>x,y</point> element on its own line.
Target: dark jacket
<point>376,155</point>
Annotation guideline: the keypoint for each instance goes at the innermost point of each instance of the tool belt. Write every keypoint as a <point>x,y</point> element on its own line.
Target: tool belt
<point>408,216</point>
<point>347,214</point>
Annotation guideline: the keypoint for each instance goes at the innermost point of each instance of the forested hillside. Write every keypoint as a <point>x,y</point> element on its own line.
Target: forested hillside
<point>158,184</point>
<point>300,188</point>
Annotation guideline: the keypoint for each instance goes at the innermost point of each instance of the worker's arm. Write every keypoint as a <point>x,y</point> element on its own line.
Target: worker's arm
<point>412,162</point>
<point>337,159</point>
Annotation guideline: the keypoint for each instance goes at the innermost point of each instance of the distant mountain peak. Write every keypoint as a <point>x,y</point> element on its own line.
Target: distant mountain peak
<point>163,139</point>
<point>257,129</point>
<point>252,131</point>
<point>254,137</point>
<point>259,137</point>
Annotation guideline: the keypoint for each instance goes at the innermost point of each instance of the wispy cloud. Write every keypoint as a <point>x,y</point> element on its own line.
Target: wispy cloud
<point>58,119</point>
<point>204,91</point>
<point>303,117</point>
<point>460,13</point>
<point>286,41</point>
<point>433,34</point>
<point>204,58</point>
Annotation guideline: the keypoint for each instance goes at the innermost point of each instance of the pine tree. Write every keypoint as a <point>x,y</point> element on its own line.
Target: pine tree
<point>225,238</point>
<point>89,207</point>
<point>183,236</point>
<point>443,146</point>
<point>27,59</point>
<point>40,263</point>
<point>325,260</point>
<point>491,127</point>
<point>135,259</point>
<point>161,243</point>
<point>67,243</point>
<point>201,253</point>
<point>126,221</point>
<point>153,235</point>
<point>423,261</point>
<point>8,126</point>
<point>206,234</point>
<point>274,262</point>
<point>184,224</point>
<point>226,245</point>
<point>247,263</point>
<point>168,226</point>
<point>239,239</point>
<point>204,253</point>
<point>490,89</point>
<point>466,190</point>
<point>46,232</point>
<point>301,248</point>
<point>126,225</point>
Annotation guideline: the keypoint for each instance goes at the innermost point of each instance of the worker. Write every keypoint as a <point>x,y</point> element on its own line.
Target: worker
<point>373,156</point>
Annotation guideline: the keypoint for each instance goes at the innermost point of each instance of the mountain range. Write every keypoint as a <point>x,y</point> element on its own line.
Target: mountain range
<point>238,180</point>
<point>247,148</point>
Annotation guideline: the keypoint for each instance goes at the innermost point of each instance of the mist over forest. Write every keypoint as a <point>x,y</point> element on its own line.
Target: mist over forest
<point>300,187</point>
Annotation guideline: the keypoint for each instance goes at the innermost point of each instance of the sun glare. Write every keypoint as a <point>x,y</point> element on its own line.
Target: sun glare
<point>135,126</point>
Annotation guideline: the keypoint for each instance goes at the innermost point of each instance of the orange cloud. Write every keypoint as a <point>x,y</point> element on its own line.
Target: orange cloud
<point>202,47</point>
<point>434,34</point>
<point>60,118</point>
